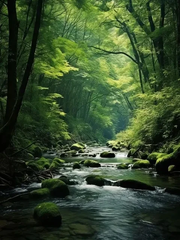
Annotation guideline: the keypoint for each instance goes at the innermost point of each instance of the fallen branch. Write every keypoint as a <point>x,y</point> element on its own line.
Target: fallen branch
<point>14,197</point>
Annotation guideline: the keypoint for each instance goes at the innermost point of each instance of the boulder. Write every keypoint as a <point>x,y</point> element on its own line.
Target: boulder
<point>57,163</point>
<point>76,165</point>
<point>107,155</point>
<point>91,163</point>
<point>122,166</point>
<point>134,184</point>
<point>48,214</point>
<point>77,146</point>
<point>56,187</point>
<point>95,180</point>
<point>141,164</point>
<point>36,151</point>
<point>39,193</point>
<point>67,181</point>
<point>154,156</point>
<point>173,190</point>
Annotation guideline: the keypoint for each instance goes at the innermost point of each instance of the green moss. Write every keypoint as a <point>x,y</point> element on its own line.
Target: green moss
<point>33,165</point>
<point>48,214</point>
<point>141,164</point>
<point>154,156</point>
<point>122,166</point>
<point>95,180</point>
<point>77,146</point>
<point>91,163</point>
<point>44,162</point>
<point>76,165</point>
<point>57,187</point>
<point>56,163</point>
<point>171,168</point>
<point>36,151</point>
<point>163,163</point>
<point>58,160</point>
<point>40,193</point>
<point>107,155</point>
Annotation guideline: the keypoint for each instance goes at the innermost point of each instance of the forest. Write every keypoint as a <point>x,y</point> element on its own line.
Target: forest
<point>82,81</point>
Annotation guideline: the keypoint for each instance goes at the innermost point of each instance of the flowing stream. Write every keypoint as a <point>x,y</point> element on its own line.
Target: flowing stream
<point>100,213</point>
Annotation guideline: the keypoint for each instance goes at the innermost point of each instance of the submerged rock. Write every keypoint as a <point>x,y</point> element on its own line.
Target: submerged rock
<point>48,214</point>
<point>122,166</point>
<point>95,180</point>
<point>107,155</point>
<point>91,163</point>
<point>56,187</point>
<point>134,184</point>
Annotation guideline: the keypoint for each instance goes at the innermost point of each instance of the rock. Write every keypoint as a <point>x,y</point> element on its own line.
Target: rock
<point>43,162</point>
<point>173,190</point>
<point>39,193</point>
<point>141,164</point>
<point>76,166</point>
<point>129,183</point>
<point>36,151</point>
<point>107,155</point>
<point>81,151</point>
<point>163,163</point>
<point>91,163</point>
<point>122,166</point>
<point>77,146</point>
<point>95,180</point>
<point>81,229</point>
<point>67,181</point>
<point>57,163</point>
<point>56,187</point>
<point>48,214</point>
<point>171,168</point>
<point>115,148</point>
<point>92,155</point>
<point>154,156</point>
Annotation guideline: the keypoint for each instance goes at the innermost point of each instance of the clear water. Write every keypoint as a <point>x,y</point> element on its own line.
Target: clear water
<point>101,213</point>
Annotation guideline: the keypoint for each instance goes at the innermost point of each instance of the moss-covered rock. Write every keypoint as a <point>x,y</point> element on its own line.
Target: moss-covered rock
<point>129,183</point>
<point>48,214</point>
<point>171,168</point>
<point>163,163</point>
<point>154,156</point>
<point>91,163</point>
<point>77,146</point>
<point>95,180</point>
<point>34,166</point>
<point>122,166</point>
<point>56,187</point>
<point>36,151</point>
<point>67,181</point>
<point>56,163</point>
<point>141,164</point>
<point>111,143</point>
<point>43,162</point>
<point>107,155</point>
<point>115,148</point>
<point>39,193</point>
<point>76,165</point>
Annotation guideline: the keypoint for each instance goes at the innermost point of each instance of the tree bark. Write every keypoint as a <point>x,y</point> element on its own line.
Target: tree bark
<point>12,58</point>
<point>6,132</point>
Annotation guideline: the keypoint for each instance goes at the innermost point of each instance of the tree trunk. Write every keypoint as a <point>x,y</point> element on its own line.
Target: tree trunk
<point>6,132</point>
<point>12,58</point>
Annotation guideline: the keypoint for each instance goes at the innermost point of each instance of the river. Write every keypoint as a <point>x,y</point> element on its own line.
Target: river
<point>100,213</point>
